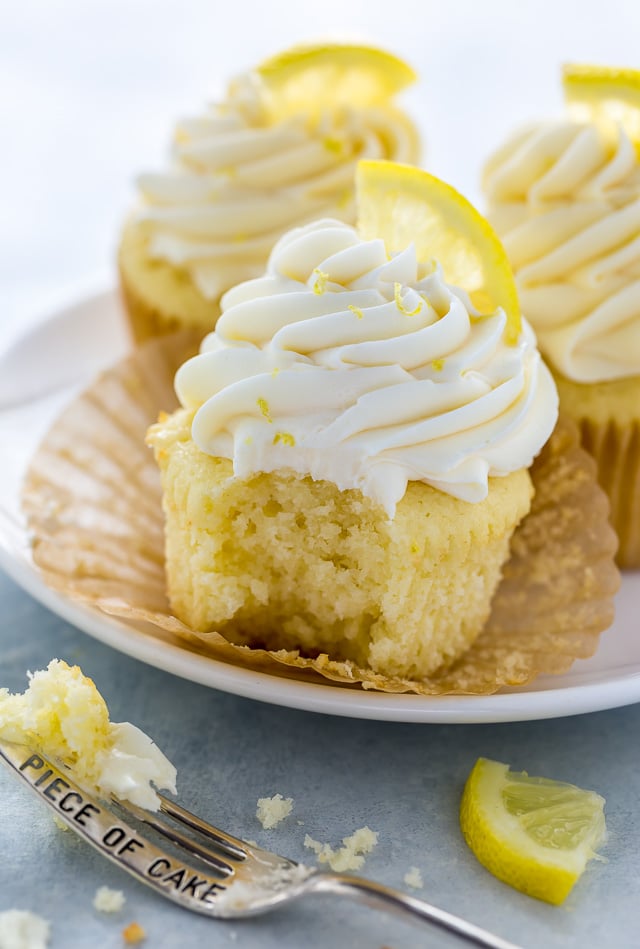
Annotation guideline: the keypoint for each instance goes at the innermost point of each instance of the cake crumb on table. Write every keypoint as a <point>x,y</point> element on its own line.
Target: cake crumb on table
<point>133,934</point>
<point>60,824</point>
<point>21,929</point>
<point>272,810</point>
<point>413,878</point>
<point>348,857</point>
<point>107,900</point>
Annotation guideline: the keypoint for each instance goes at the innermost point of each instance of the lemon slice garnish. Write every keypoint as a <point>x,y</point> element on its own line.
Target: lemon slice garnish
<point>535,834</point>
<point>405,205</point>
<point>604,95</point>
<point>314,76</point>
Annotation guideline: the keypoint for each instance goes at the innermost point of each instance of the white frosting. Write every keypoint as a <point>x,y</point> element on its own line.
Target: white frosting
<point>130,764</point>
<point>238,182</point>
<point>365,371</point>
<point>565,200</point>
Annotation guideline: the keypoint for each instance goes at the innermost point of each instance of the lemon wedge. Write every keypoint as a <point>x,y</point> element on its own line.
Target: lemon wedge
<point>605,95</point>
<point>535,834</point>
<point>405,205</point>
<point>335,74</point>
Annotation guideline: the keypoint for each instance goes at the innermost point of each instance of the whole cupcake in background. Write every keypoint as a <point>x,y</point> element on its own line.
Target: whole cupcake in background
<point>564,196</point>
<point>279,150</point>
<point>351,459</point>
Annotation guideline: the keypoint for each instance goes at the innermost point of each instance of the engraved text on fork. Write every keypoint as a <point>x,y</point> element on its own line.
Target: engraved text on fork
<point>72,806</point>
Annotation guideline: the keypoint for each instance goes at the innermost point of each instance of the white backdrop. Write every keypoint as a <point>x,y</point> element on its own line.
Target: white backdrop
<point>89,91</point>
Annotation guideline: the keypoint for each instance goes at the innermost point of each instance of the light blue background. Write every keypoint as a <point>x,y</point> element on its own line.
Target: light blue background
<point>88,95</point>
<point>403,781</point>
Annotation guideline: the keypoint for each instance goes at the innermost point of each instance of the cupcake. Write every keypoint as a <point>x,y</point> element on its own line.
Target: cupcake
<point>278,150</point>
<point>564,196</point>
<point>351,456</point>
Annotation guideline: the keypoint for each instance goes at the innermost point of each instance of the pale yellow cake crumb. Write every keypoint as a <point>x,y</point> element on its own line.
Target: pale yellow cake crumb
<point>63,712</point>
<point>21,929</point>
<point>413,878</point>
<point>272,810</point>
<point>107,900</point>
<point>133,934</point>
<point>60,824</point>
<point>348,857</point>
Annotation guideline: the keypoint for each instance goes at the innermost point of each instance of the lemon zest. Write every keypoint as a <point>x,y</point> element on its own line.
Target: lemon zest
<point>334,145</point>
<point>320,284</point>
<point>356,311</point>
<point>437,364</point>
<point>284,438</point>
<point>397,290</point>
<point>263,405</point>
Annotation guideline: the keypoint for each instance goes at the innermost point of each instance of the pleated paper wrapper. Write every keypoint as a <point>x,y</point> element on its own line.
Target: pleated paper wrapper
<point>616,449</point>
<point>92,499</point>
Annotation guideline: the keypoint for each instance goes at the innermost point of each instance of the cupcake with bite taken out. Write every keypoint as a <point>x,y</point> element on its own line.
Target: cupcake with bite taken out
<point>351,456</point>
<point>279,150</point>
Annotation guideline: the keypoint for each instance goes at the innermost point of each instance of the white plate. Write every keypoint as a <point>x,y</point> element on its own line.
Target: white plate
<point>57,358</point>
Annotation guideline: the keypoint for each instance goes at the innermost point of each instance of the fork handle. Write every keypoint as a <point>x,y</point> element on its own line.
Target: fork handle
<point>384,897</point>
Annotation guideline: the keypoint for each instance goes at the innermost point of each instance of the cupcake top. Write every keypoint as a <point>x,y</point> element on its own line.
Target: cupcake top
<point>257,163</point>
<point>367,370</point>
<point>565,199</point>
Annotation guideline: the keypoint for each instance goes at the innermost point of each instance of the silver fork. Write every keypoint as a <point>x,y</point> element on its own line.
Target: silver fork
<point>238,879</point>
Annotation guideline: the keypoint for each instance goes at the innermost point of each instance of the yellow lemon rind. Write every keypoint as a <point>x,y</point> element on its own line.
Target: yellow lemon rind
<point>382,187</point>
<point>606,95</point>
<point>500,844</point>
<point>333,74</point>
<point>584,78</point>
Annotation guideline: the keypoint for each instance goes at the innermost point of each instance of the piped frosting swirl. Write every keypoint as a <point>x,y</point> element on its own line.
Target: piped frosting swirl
<point>238,181</point>
<point>367,371</point>
<point>565,200</point>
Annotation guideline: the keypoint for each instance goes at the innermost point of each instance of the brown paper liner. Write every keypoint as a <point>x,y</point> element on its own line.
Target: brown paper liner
<point>616,450</point>
<point>93,501</point>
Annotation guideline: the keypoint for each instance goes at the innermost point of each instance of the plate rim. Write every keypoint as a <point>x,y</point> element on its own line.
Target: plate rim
<point>504,706</point>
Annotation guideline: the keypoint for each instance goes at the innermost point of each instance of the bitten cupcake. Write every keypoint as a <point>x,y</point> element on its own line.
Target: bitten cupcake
<point>565,198</point>
<point>279,150</point>
<point>351,458</point>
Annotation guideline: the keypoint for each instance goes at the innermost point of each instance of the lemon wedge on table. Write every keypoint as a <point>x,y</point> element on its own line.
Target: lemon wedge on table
<point>335,74</point>
<point>405,205</point>
<point>535,834</point>
<point>605,95</point>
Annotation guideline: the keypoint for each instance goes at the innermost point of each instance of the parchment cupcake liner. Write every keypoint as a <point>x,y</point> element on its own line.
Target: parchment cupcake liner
<point>616,450</point>
<point>92,499</point>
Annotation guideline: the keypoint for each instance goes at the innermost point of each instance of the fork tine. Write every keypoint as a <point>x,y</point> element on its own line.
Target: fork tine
<point>181,840</point>
<point>226,842</point>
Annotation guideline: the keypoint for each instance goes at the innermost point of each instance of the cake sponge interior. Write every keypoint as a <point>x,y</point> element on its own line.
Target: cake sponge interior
<point>284,562</point>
